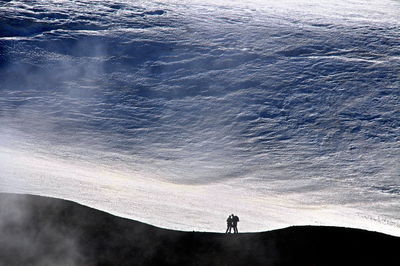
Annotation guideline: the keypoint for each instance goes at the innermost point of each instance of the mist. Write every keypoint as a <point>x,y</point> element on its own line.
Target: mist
<point>22,243</point>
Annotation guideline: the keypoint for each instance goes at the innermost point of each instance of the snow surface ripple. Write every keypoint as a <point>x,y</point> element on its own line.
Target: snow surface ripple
<point>287,113</point>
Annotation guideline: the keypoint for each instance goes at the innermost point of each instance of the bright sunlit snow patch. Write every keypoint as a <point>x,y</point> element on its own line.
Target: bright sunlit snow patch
<point>199,207</point>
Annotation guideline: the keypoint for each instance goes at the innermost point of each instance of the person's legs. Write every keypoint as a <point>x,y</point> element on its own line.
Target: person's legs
<point>235,230</point>
<point>228,228</point>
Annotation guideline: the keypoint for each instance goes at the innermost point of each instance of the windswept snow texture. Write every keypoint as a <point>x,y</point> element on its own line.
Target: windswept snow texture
<point>178,113</point>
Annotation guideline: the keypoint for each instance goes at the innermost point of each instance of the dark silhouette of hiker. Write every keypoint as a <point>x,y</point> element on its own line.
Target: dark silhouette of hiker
<point>229,222</point>
<point>235,220</point>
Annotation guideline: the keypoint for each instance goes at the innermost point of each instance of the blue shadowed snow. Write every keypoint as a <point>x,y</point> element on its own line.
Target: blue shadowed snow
<point>282,100</point>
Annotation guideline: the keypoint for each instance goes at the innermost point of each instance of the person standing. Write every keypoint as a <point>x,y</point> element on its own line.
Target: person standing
<point>235,220</point>
<point>229,224</point>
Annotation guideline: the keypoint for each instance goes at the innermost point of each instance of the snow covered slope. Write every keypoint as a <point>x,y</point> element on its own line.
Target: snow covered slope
<point>284,112</point>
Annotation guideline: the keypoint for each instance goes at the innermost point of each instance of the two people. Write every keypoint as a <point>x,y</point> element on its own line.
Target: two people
<point>232,223</point>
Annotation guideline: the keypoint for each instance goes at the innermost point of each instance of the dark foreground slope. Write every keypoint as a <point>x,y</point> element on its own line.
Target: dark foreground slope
<point>43,231</point>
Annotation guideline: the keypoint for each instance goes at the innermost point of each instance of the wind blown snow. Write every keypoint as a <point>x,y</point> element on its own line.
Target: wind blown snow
<point>178,113</point>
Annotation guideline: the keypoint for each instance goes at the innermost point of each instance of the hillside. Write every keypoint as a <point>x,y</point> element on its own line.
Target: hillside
<point>41,231</point>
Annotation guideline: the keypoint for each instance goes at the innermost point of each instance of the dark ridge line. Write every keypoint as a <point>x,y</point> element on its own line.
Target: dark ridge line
<point>36,230</point>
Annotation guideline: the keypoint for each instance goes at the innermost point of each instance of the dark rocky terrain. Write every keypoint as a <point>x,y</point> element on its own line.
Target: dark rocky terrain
<point>41,231</point>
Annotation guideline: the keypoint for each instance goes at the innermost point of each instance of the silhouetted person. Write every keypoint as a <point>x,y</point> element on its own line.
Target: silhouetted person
<point>229,222</point>
<point>235,220</point>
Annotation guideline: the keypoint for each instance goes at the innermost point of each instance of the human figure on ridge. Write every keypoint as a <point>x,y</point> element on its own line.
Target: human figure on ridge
<point>235,220</point>
<point>229,222</point>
